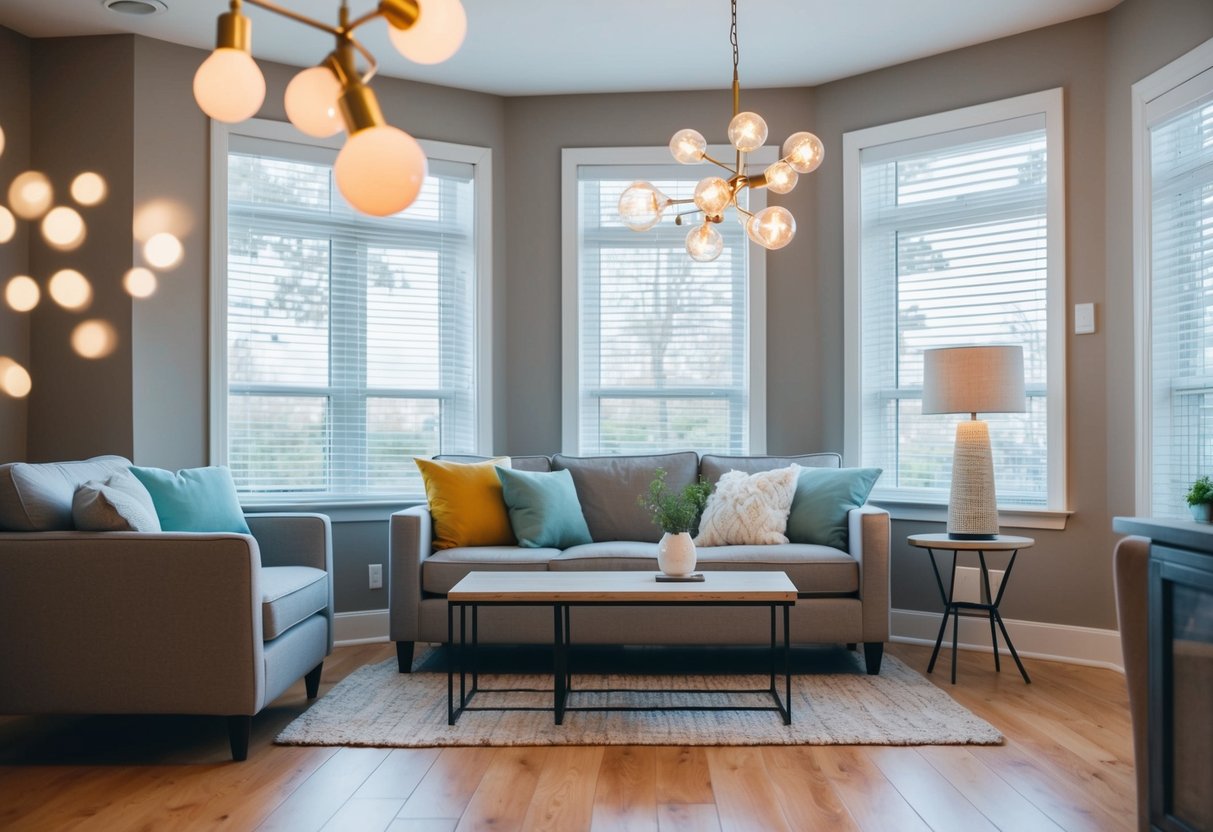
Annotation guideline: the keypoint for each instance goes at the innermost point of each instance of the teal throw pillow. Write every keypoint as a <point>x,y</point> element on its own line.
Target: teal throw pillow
<point>544,509</point>
<point>823,498</point>
<point>194,499</point>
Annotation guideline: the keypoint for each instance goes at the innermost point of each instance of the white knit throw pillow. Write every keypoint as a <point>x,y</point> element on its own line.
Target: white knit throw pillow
<point>749,508</point>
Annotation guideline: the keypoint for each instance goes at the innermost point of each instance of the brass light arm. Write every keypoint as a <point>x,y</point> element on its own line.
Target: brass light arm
<point>294,15</point>
<point>342,32</point>
<point>758,180</point>
<point>717,162</point>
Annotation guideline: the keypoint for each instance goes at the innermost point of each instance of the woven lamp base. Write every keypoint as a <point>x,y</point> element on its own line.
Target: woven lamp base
<point>972,509</point>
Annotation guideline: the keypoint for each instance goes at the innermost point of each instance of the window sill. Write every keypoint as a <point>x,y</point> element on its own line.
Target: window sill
<point>338,511</point>
<point>1010,517</point>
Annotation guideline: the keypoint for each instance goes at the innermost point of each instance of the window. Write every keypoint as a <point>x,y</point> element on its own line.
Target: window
<point>345,344</point>
<point>660,352</point>
<point>1173,219</point>
<point>954,236</point>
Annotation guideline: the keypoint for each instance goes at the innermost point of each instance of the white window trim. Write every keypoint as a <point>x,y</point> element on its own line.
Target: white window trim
<point>1051,104</point>
<point>481,158</point>
<point>1151,90</point>
<point>571,159</point>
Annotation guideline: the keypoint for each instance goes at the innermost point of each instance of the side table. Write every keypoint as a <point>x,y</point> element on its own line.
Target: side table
<point>944,543</point>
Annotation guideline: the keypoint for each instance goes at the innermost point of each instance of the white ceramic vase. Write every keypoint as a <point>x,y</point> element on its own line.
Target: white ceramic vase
<point>676,554</point>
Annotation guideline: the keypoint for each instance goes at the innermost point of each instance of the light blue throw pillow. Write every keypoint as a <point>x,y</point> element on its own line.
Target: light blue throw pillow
<point>194,499</point>
<point>544,509</point>
<point>823,498</point>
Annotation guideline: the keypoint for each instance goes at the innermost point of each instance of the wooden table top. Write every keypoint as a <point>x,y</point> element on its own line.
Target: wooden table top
<point>550,587</point>
<point>1002,543</point>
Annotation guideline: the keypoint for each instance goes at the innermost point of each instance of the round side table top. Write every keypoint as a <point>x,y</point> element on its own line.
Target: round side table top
<point>1004,542</point>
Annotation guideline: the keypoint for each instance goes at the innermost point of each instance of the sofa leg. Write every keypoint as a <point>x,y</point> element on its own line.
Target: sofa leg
<point>404,656</point>
<point>312,681</point>
<point>238,730</point>
<point>873,652</point>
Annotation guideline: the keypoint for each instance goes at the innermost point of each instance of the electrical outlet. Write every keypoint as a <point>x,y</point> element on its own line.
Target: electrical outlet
<point>1084,318</point>
<point>376,575</point>
<point>968,584</point>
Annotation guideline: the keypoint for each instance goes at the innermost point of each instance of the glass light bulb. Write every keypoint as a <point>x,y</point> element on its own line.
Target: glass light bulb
<point>89,188</point>
<point>70,289</point>
<point>63,228</point>
<point>437,34</point>
<point>311,102</point>
<point>229,86</point>
<point>688,146</point>
<point>804,152</point>
<point>380,170</point>
<point>712,195</point>
<point>704,243</point>
<point>8,224</point>
<point>30,195</point>
<point>14,379</point>
<point>640,206</point>
<point>781,178</point>
<point>22,293</point>
<point>772,227</point>
<point>747,131</point>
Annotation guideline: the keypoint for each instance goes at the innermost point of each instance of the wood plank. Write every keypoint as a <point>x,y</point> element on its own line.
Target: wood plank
<point>805,793</point>
<point>324,793</point>
<point>364,814</point>
<point>626,794</point>
<point>927,791</point>
<point>505,791</point>
<point>564,796</point>
<point>687,817</point>
<point>745,797</point>
<point>449,784</point>
<point>993,796</point>
<point>683,776</point>
<point>872,800</point>
<point>399,774</point>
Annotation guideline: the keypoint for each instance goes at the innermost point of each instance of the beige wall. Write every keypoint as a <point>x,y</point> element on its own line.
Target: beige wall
<point>14,255</point>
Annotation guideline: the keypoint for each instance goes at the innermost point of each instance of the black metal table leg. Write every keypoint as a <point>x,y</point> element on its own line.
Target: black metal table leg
<point>559,674</point>
<point>450,667</point>
<point>787,670</point>
<point>989,599</point>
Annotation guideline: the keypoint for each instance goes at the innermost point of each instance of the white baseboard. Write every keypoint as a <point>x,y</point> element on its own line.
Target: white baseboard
<point>1033,639</point>
<point>362,627</point>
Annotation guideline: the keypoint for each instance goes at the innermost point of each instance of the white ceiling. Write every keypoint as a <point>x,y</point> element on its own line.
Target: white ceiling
<point>537,47</point>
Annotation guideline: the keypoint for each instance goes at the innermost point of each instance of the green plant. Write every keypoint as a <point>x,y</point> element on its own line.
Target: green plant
<point>673,511</point>
<point>1200,492</point>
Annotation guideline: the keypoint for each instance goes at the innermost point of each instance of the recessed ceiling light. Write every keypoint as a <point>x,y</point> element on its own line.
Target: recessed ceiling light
<point>136,7</point>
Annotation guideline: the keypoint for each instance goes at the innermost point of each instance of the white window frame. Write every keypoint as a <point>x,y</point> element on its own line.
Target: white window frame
<point>480,158</point>
<point>756,303</point>
<point>1153,96</point>
<point>1050,103</point>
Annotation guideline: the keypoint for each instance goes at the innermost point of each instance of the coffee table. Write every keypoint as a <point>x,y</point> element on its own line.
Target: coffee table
<point>564,590</point>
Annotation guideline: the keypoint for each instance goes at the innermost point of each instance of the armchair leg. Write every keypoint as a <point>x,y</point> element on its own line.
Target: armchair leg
<point>404,656</point>
<point>312,681</point>
<point>873,652</point>
<point>238,730</point>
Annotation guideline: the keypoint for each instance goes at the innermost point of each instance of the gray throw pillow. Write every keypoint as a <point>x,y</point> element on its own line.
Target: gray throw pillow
<point>119,504</point>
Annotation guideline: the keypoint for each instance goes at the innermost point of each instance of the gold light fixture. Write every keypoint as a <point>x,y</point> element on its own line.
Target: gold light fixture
<point>642,204</point>
<point>381,168</point>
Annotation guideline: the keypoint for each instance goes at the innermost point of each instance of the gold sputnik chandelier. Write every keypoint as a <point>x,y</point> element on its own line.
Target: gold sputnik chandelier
<point>380,168</point>
<point>642,204</point>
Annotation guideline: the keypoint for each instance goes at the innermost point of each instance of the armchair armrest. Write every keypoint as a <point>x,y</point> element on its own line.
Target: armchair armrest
<point>411,541</point>
<point>868,536</point>
<point>296,539</point>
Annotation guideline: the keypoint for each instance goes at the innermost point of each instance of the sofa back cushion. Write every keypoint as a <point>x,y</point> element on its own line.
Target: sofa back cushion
<point>607,487</point>
<point>712,466</point>
<point>517,463</point>
<point>38,497</point>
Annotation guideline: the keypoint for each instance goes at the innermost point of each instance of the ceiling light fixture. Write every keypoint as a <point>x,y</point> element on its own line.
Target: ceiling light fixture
<point>642,204</point>
<point>381,168</point>
<point>135,7</point>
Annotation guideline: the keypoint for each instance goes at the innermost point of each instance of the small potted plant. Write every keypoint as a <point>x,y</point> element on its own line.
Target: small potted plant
<point>1200,500</point>
<point>676,513</point>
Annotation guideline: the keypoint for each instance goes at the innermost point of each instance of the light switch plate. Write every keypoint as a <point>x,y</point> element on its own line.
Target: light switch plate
<point>1084,318</point>
<point>375,571</point>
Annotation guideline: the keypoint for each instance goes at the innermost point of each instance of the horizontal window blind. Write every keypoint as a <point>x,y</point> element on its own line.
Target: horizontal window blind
<point>350,339</point>
<point>663,352</point>
<point>1181,303</point>
<point>954,243</point>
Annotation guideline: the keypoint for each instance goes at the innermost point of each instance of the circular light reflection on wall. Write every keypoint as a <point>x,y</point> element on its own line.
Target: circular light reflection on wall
<point>1,141</point>
<point>14,379</point>
<point>70,289</point>
<point>22,293</point>
<point>89,188</point>
<point>8,225</point>
<point>163,250</point>
<point>30,195</point>
<point>140,282</point>
<point>94,339</point>
<point>63,228</point>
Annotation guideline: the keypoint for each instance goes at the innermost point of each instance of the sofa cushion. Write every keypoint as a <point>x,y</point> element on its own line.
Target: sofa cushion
<point>466,502</point>
<point>748,508</point>
<point>445,568</point>
<point>38,497</point>
<point>119,504</point>
<point>712,466</point>
<point>518,463</point>
<point>607,556</point>
<point>543,507</point>
<point>608,488</point>
<point>289,594</point>
<point>194,499</point>
<point>823,499</point>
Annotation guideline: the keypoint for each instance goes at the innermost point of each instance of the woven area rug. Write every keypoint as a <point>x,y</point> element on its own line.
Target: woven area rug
<point>377,706</point>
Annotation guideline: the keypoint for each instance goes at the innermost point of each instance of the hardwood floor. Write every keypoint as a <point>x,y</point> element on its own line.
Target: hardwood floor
<point>1067,765</point>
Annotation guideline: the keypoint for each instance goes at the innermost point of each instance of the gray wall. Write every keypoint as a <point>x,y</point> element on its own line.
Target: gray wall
<point>14,255</point>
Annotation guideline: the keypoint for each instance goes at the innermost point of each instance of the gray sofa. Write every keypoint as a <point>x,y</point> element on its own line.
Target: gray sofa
<point>843,594</point>
<point>154,623</point>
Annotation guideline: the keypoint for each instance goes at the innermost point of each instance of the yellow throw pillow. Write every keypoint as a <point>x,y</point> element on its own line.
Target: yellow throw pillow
<point>466,503</point>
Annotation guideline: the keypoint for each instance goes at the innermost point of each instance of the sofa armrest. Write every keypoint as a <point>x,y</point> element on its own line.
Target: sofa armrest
<point>868,532</point>
<point>296,539</point>
<point>127,622</point>
<point>410,542</point>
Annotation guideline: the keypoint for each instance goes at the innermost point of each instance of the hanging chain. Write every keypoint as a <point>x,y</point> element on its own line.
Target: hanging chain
<point>733,37</point>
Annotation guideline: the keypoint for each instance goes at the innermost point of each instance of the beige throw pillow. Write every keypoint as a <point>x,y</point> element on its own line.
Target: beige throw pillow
<point>749,508</point>
<point>119,504</point>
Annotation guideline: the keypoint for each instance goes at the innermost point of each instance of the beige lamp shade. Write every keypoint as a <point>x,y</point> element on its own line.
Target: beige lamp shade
<point>973,380</point>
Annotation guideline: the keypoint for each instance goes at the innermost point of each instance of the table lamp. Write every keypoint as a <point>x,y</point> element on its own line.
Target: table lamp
<point>973,380</point>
